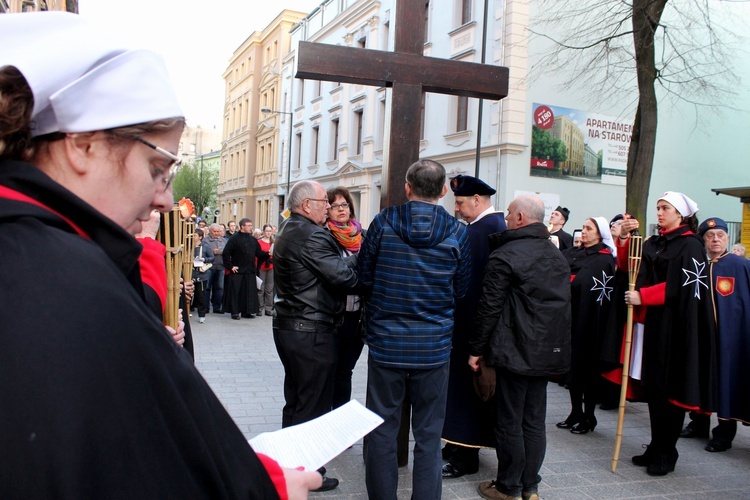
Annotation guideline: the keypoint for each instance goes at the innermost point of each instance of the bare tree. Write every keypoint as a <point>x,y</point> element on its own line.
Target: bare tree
<point>626,48</point>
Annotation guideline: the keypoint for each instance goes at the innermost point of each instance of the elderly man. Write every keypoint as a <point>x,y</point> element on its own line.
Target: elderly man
<point>522,329</point>
<point>730,280</point>
<point>414,262</point>
<point>557,219</point>
<point>215,293</point>
<point>312,281</point>
<point>468,419</point>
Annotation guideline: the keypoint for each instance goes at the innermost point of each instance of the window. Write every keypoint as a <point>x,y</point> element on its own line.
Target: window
<point>465,11</point>
<point>335,139</point>
<point>358,131</point>
<point>426,22</point>
<point>362,42</point>
<point>298,151</point>
<point>316,88</point>
<point>462,113</point>
<point>315,145</point>
<point>423,117</point>
<point>301,93</point>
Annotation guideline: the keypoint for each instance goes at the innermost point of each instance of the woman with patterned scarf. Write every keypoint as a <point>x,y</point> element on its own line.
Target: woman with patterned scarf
<point>347,232</point>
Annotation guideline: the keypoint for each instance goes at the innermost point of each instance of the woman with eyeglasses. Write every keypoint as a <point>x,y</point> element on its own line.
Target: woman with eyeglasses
<point>97,399</point>
<point>265,272</point>
<point>347,232</point>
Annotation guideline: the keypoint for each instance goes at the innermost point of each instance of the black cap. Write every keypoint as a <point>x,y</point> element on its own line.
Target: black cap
<point>615,219</point>
<point>466,185</point>
<point>564,211</point>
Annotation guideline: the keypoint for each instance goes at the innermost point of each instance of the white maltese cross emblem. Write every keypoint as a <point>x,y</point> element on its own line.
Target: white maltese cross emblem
<point>696,277</point>
<point>602,288</point>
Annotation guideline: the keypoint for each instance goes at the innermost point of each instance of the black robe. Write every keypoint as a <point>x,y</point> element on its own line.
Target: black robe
<point>240,288</point>
<point>565,239</point>
<point>468,420</point>
<point>96,399</point>
<point>592,272</point>
<point>679,347</point>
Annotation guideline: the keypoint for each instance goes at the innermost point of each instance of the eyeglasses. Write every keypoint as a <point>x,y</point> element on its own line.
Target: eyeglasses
<point>343,206</point>
<point>325,200</point>
<point>174,166</point>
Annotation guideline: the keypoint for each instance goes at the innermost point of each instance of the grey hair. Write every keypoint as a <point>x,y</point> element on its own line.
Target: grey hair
<point>214,226</point>
<point>531,206</point>
<point>300,192</point>
<point>426,178</point>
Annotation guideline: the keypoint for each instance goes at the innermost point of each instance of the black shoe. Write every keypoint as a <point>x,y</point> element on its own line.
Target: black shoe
<point>609,406</point>
<point>245,315</point>
<point>717,446</point>
<point>218,311</point>
<point>569,422</point>
<point>645,459</point>
<point>584,426</point>
<point>235,316</point>
<point>662,464</point>
<point>691,432</point>
<point>450,471</point>
<point>329,483</point>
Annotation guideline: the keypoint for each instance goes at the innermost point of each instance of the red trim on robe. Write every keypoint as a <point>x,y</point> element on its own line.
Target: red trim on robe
<point>654,295</point>
<point>153,268</point>
<point>276,473</point>
<point>12,194</point>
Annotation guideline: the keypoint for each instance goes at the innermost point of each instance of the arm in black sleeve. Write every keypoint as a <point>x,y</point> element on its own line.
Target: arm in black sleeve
<point>495,290</point>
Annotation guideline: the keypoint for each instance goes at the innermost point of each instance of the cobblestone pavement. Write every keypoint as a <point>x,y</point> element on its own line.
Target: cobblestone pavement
<point>239,360</point>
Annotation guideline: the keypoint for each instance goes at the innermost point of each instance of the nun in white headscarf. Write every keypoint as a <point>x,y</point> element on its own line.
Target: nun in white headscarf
<point>592,269</point>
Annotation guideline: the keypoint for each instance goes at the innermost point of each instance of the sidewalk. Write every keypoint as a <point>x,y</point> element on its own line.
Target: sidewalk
<point>239,360</point>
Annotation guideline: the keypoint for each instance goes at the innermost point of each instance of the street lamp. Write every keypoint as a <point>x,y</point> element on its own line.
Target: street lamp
<point>268,111</point>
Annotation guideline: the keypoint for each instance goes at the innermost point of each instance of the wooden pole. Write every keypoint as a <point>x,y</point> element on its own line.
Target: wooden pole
<point>635,251</point>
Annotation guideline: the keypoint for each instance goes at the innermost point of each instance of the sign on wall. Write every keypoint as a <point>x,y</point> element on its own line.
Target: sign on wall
<point>577,145</point>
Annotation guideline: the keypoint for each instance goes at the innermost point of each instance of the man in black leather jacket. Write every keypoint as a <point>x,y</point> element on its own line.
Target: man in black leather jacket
<point>522,328</point>
<point>311,282</point>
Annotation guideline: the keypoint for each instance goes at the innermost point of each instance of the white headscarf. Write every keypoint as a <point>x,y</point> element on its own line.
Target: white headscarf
<point>681,202</point>
<point>603,225</point>
<point>82,78</point>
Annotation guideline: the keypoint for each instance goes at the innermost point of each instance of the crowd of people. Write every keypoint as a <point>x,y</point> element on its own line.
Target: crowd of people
<point>465,320</point>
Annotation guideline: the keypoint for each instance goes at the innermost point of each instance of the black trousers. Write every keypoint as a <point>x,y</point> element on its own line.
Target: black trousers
<point>666,422</point>
<point>348,349</point>
<point>307,350</point>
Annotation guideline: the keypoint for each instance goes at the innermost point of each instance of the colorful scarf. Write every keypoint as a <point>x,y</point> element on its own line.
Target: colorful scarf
<point>349,235</point>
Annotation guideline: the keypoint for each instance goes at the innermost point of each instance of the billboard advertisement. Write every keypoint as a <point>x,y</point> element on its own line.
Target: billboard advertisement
<point>577,145</point>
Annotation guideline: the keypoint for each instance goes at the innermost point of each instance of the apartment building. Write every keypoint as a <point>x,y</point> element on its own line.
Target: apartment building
<point>248,177</point>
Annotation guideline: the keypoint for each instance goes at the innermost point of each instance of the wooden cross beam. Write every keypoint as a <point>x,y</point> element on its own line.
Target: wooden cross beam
<point>409,73</point>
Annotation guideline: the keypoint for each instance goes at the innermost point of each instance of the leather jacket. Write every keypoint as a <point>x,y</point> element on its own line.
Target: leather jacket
<point>523,317</point>
<point>311,277</point>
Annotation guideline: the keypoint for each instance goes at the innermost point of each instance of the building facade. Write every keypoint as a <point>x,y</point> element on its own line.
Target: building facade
<point>14,6</point>
<point>248,177</point>
<point>336,133</point>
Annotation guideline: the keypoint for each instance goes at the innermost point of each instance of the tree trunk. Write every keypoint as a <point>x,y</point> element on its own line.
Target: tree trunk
<point>646,17</point>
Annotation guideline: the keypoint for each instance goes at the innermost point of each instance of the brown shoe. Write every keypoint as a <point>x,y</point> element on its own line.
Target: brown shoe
<point>530,496</point>
<point>488,490</point>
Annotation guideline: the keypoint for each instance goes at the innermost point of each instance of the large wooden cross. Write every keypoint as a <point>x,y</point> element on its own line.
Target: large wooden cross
<point>410,74</point>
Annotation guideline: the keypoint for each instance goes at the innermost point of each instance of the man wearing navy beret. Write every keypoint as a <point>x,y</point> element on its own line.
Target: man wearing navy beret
<point>730,285</point>
<point>468,420</point>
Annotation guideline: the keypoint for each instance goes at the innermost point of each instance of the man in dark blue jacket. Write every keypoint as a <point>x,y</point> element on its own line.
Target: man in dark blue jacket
<point>414,263</point>
<point>468,419</point>
<point>522,328</point>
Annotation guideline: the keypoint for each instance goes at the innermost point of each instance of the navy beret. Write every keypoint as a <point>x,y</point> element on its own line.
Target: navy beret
<point>466,185</point>
<point>712,223</point>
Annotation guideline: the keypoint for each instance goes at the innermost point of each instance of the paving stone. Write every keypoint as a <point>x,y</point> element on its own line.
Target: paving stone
<point>239,361</point>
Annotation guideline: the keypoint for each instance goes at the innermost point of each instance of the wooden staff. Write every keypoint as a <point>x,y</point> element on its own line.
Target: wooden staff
<point>188,251</point>
<point>170,234</point>
<point>635,252</point>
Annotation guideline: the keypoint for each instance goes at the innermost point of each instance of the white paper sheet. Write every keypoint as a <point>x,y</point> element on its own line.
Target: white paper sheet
<point>315,443</point>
